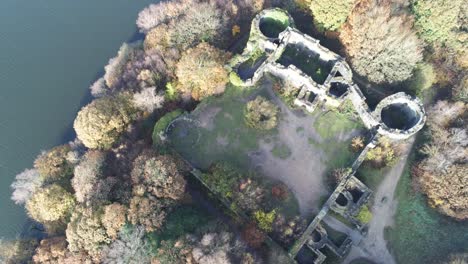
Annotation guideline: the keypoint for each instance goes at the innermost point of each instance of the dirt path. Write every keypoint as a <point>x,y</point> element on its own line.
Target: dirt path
<point>304,171</point>
<point>373,246</point>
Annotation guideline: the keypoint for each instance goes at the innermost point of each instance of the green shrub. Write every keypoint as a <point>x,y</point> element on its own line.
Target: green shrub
<point>261,114</point>
<point>423,78</point>
<point>171,92</point>
<point>235,79</point>
<point>222,179</point>
<point>364,216</point>
<point>330,14</point>
<point>265,220</point>
<point>162,124</point>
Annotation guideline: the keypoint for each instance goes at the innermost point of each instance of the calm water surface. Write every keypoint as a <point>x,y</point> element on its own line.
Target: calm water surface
<point>50,52</point>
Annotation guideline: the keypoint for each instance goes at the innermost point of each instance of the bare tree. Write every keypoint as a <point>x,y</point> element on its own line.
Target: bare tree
<point>25,184</point>
<point>148,99</point>
<point>380,44</point>
<point>161,12</point>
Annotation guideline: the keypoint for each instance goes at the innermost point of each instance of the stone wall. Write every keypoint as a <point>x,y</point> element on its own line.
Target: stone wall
<point>274,47</point>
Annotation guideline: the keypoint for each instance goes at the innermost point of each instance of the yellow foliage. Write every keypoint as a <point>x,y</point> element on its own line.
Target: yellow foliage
<point>235,30</point>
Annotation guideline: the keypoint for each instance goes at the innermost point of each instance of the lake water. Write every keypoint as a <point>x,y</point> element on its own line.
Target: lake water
<point>50,52</point>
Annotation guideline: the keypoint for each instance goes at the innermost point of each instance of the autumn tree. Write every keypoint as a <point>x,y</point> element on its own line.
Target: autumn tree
<point>443,173</point>
<point>85,231</point>
<point>383,154</point>
<point>158,175</point>
<point>53,165</point>
<point>115,67</point>
<point>51,250</point>
<point>52,203</point>
<point>330,15</point>
<point>89,183</point>
<point>150,213</point>
<point>219,247</point>
<point>130,247</point>
<point>100,123</point>
<point>261,114</point>
<point>446,190</point>
<point>381,45</point>
<point>201,71</point>
<point>253,236</point>
<point>357,143</point>
<point>114,219</point>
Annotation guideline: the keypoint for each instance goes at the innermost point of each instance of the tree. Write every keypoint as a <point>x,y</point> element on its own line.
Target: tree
<point>162,12</point>
<point>201,71</point>
<point>99,88</point>
<point>85,231</point>
<point>159,175</point>
<point>364,216</point>
<point>253,236</point>
<point>52,203</point>
<point>51,250</point>
<point>100,123</point>
<point>53,165</point>
<point>423,78</point>
<point>381,45</point>
<point>357,144</point>
<point>147,212</point>
<point>202,22</point>
<point>130,247</point>
<point>443,173</point>
<point>382,155</point>
<point>330,15</point>
<point>158,37</point>
<point>446,190</point>
<point>458,258</point>
<point>223,179</point>
<point>17,251</point>
<point>148,99</point>
<point>114,68</point>
<point>114,218</point>
<point>441,22</point>
<point>261,114</point>
<point>265,220</point>
<point>25,185</point>
<point>89,183</point>
<point>220,247</point>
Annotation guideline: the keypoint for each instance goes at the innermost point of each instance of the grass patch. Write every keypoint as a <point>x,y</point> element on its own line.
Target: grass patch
<point>370,176</point>
<point>199,145</point>
<point>281,151</point>
<point>420,233</point>
<point>331,123</point>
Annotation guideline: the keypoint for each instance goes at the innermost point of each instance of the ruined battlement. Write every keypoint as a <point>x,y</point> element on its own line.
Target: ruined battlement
<point>300,60</point>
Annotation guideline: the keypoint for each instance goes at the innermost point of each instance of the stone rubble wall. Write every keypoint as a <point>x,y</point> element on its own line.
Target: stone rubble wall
<point>293,75</point>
